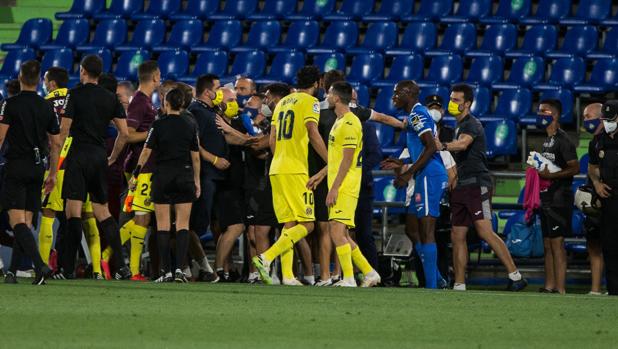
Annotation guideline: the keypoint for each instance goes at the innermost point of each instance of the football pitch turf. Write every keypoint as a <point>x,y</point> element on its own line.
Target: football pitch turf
<point>85,314</point>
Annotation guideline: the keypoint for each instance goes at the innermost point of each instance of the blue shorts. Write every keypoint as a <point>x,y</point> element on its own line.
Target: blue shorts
<point>428,192</point>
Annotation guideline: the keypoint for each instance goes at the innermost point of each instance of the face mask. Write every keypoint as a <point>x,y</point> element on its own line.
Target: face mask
<point>218,97</point>
<point>242,100</point>
<point>321,93</point>
<point>252,112</point>
<point>610,126</point>
<point>435,115</point>
<point>592,125</point>
<point>231,109</point>
<point>543,120</point>
<point>453,108</point>
<point>266,111</point>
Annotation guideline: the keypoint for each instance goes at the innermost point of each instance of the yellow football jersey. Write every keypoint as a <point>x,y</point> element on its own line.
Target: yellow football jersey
<point>347,132</point>
<point>57,98</point>
<point>292,139</point>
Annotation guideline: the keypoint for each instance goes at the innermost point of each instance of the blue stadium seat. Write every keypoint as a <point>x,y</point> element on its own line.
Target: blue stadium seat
<point>351,10</point>
<point>106,57</point>
<point>222,36</point>
<point>329,61</point>
<point>34,33</point>
<point>537,41</point>
<point>391,10</point>
<point>284,68</point>
<point>403,67</point>
<point>109,34</point>
<point>443,70</point>
<point>579,40</point>
<point>185,35</point>
<point>589,12</point>
<point>196,9</point>
<point>236,9</point>
<point>610,45</point>
<point>611,21</point>
<point>583,163</point>
<point>482,101</point>
<point>565,96</point>
<point>121,9</point>
<point>58,58</point>
<point>173,64</point>
<point>82,9</point>
<point>509,11</point>
<point>379,37</point>
<point>501,137</point>
<point>431,10</point>
<point>126,68</point>
<point>162,9</point>
<point>366,67</point>
<point>418,37</point>
<point>262,36</point>
<point>210,62</point>
<point>603,77</point>
<point>384,104</point>
<point>300,36</point>
<point>486,70</point>
<point>435,90</point>
<point>498,39</point>
<point>551,11</point>
<point>512,104</point>
<point>525,72</point>
<point>565,72</point>
<point>469,10</point>
<point>72,32</point>
<point>146,35</point>
<point>249,63</point>
<point>458,38</point>
<point>362,92</point>
<point>383,190</point>
<point>13,61</point>
<point>314,10</point>
<point>339,36</point>
<point>275,9</point>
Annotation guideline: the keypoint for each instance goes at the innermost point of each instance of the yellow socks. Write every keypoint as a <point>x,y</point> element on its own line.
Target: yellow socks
<point>286,241</point>
<point>344,252</point>
<point>138,233</point>
<point>360,261</point>
<point>287,264</point>
<point>46,237</point>
<point>94,243</point>
<point>125,235</point>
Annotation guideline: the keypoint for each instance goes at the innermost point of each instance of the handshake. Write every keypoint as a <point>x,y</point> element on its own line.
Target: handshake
<point>540,163</point>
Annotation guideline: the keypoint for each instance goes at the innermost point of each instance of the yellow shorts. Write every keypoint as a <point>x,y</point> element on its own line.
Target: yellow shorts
<point>139,199</point>
<point>54,201</point>
<point>344,209</point>
<point>292,201</point>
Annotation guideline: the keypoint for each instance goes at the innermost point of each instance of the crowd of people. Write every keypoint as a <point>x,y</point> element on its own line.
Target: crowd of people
<point>271,166</point>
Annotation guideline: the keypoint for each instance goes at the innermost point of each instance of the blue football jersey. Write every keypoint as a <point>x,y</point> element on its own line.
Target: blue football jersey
<point>419,122</point>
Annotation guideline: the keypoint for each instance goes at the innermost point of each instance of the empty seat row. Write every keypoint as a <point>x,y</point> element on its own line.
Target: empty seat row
<point>549,11</point>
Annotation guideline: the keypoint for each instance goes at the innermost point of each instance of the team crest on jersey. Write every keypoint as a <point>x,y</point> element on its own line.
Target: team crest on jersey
<point>316,107</point>
<point>418,197</point>
<point>309,211</point>
<point>147,201</point>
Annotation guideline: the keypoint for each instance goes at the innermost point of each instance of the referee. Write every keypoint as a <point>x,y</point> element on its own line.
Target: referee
<point>89,110</point>
<point>26,120</point>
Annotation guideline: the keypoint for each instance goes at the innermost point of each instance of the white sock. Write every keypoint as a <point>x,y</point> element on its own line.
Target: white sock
<point>459,287</point>
<point>515,276</point>
<point>219,269</point>
<point>187,272</point>
<point>205,265</point>
<point>350,280</point>
<point>310,279</point>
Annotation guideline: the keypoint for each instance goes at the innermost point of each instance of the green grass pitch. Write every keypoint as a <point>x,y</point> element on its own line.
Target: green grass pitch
<point>94,314</point>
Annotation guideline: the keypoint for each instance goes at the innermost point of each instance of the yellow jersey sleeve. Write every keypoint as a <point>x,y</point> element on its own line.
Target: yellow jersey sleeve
<point>312,109</point>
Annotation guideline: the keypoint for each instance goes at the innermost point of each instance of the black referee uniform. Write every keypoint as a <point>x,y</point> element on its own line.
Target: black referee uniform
<point>27,120</point>
<point>91,108</point>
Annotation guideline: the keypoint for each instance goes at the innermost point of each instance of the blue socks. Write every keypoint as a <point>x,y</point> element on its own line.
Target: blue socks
<point>429,258</point>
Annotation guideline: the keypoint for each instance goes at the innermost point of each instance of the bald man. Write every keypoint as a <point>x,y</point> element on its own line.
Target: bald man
<point>245,88</point>
<point>593,125</point>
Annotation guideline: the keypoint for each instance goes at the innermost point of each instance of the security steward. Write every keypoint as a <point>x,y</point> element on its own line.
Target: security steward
<point>603,171</point>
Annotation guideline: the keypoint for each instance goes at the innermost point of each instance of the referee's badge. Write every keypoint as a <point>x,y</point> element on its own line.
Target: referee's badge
<point>601,154</point>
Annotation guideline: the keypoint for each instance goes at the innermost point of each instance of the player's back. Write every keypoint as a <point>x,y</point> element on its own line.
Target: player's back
<point>420,122</point>
<point>291,138</point>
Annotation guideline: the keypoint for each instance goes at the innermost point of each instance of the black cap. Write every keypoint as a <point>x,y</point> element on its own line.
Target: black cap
<point>433,100</point>
<point>610,109</point>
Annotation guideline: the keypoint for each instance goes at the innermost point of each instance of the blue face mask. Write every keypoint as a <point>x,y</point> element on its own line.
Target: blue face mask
<point>242,100</point>
<point>253,112</point>
<point>592,125</point>
<point>543,120</point>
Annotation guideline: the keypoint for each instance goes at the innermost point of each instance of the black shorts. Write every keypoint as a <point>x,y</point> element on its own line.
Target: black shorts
<point>556,221</point>
<point>592,226</point>
<point>231,206</point>
<point>469,204</point>
<point>260,209</point>
<point>319,194</point>
<point>85,173</point>
<point>173,186</point>
<point>21,185</point>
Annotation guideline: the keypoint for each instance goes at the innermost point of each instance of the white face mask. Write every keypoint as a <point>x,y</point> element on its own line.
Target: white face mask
<point>435,115</point>
<point>610,126</point>
<point>266,110</point>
